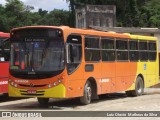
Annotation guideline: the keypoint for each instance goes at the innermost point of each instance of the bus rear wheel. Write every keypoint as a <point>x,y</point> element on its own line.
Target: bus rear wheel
<point>139,88</point>
<point>87,95</point>
<point>43,101</point>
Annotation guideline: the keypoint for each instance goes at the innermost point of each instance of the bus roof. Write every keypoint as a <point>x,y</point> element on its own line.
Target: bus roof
<point>141,37</point>
<point>69,30</point>
<point>92,32</point>
<point>2,34</point>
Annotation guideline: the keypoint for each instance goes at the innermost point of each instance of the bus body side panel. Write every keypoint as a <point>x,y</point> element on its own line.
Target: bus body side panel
<point>108,77</point>
<point>4,73</point>
<point>77,80</point>
<point>4,67</point>
<point>151,74</point>
<point>125,75</point>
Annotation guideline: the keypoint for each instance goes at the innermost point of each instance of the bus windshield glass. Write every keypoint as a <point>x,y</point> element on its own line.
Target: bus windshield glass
<point>37,50</point>
<point>2,39</point>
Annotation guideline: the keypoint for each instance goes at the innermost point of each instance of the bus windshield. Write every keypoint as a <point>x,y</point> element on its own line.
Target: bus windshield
<point>37,51</point>
<point>2,39</point>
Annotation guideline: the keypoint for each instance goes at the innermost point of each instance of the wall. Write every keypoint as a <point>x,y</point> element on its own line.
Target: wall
<point>97,15</point>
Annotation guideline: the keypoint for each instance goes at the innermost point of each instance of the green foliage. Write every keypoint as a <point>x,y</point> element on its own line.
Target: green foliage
<point>55,17</point>
<point>16,14</point>
<point>150,13</point>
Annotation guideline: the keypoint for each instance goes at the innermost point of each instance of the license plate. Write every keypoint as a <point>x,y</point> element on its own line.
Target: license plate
<point>31,92</point>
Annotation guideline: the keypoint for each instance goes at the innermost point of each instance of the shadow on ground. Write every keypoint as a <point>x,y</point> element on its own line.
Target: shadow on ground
<point>59,104</point>
<point>6,98</point>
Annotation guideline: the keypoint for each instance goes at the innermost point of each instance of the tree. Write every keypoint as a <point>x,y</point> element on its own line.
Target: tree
<point>150,14</point>
<point>42,12</point>
<point>16,14</point>
<point>14,10</point>
<point>56,17</point>
<point>3,19</point>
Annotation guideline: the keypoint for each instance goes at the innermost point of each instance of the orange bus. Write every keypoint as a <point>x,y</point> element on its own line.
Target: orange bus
<point>63,62</point>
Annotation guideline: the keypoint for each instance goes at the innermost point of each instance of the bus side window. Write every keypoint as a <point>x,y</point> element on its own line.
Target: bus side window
<point>92,49</point>
<point>133,50</point>
<point>152,51</point>
<point>122,49</point>
<point>5,51</point>
<point>108,49</point>
<point>143,51</point>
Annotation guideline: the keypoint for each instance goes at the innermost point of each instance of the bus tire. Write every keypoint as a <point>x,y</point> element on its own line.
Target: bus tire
<point>139,88</point>
<point>43,101</point>
<point>87,95</point>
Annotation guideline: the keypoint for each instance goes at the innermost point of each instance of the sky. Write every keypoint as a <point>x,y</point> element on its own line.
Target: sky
<point>44,4</point>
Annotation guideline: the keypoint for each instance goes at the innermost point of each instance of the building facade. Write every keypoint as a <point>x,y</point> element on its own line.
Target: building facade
<point>96,15</point>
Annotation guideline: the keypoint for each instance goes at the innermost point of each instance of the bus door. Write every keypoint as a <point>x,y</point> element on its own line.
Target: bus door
<point>74,65</point>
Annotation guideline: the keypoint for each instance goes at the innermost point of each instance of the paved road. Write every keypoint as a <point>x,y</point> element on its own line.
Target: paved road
<point>113,102</point>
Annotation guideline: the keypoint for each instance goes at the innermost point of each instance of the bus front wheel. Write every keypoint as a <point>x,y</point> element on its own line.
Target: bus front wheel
<point>43,101</point>
<point>87,95</point>
<point>139,88</point>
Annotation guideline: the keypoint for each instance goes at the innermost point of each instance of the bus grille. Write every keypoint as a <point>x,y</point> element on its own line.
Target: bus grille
<point>32,85</point>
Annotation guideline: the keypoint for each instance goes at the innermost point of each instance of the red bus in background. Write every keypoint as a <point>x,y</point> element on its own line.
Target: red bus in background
<point>4,61</point>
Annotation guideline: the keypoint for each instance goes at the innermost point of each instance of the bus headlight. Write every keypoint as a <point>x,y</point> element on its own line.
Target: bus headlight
<point>12,83</point>
<point>59,81</point>
<point>49,86</point>
<point>54,83</point>
<point>15,85</point>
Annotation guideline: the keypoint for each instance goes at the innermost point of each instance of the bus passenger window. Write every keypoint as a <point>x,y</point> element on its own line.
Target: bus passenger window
<point>143,51</point>
<point>122,49</point>
<point>152,51</point>
<point>108,49</point>
<point>133,50</point>
<point>5,51</point>
<point>92,55</point>
<point>121,45</point>
<point>108,55</point>
<point>92,49</point>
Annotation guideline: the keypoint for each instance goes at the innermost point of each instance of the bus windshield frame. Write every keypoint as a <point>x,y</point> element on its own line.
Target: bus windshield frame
<point>38,52</point>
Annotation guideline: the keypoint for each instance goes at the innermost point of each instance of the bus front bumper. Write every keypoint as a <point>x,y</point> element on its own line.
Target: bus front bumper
<point>55,92</point>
